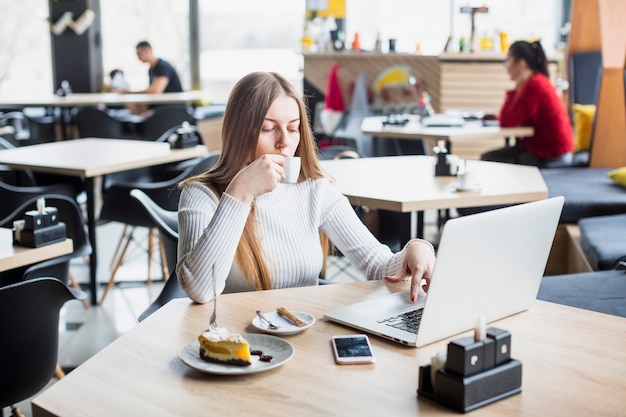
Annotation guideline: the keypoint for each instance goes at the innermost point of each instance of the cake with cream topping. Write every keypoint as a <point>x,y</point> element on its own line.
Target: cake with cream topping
<point>221,346</point>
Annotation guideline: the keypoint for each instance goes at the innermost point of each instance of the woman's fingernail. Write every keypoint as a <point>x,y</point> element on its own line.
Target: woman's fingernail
<point>413,298</point>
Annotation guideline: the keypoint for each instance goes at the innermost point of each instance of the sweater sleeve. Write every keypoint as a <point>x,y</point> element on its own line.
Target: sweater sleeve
<point>520,106</point>
<point>358,244</point>
<point>209,232</point>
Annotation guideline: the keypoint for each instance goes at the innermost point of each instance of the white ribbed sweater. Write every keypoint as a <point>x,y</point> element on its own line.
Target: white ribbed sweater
<point>288,223</point>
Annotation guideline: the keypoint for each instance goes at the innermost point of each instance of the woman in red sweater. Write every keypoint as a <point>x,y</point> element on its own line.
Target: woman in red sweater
<point>534,103</point>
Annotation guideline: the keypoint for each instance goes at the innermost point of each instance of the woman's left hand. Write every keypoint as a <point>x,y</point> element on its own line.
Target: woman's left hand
<point>418,264</point>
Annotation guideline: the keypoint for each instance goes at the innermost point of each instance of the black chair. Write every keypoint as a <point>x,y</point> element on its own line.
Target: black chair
<point>162,119</point>
<point>167,223</point>
<point>71,215</point>
<point>29,313</point>
<point>93,122</point>
<point>119,206</point>
<point>170,291</point>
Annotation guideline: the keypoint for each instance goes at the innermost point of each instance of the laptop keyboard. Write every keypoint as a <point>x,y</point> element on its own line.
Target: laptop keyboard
<point>409,321</point>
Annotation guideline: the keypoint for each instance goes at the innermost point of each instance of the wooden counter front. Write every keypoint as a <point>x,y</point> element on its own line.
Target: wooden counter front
<point>468,81</point>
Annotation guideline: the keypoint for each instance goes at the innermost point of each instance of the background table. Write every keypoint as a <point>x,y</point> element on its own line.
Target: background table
<point>92,157</point>
<point>107,99</point>
<point>407,184</point>
<point>471,132</point>
<point>573,364</point>
<point>12,257</point>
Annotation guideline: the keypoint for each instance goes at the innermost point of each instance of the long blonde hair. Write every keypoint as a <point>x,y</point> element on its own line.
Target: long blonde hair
<point>246,109</point>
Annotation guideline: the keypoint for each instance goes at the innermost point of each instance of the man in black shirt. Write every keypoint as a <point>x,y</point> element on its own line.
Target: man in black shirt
<point>162,75</point>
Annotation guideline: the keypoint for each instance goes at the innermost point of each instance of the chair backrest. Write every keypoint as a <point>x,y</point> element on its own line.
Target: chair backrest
<point>166,222</point>
<point>163,119</point>
<point>29,323</point>
<point>93,122</point>
<point>119,206</point>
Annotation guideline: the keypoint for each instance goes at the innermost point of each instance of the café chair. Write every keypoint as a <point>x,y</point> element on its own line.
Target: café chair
<point>167,223</point>
<point>119,206</point>
<point>162,119</point>
<point>29,323</point>
<point>71,215</point>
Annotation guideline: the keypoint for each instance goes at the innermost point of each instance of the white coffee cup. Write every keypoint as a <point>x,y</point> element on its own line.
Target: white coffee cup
<point>468,180</point>
<point>291,171</point>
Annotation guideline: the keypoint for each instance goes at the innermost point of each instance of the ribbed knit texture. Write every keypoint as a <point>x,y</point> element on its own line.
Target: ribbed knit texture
<point>288,221</point>
<point>536,104</point>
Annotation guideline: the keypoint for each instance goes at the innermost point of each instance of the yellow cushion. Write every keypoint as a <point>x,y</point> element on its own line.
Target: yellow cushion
<point>619,176</point>
<point>583,118</point>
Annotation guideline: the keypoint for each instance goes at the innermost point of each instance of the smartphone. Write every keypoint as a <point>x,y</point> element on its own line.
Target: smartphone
<point>352,349</point>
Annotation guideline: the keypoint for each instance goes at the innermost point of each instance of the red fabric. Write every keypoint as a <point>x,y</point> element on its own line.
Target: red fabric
<point>536,104</point>
<point>334,97</point>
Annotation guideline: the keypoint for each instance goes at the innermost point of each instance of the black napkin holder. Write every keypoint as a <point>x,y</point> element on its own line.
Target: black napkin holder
<point>442,166</point>
<point>39,228</point>
<point>465,394</point>
<point>184,137</point>
<point>464,387</point>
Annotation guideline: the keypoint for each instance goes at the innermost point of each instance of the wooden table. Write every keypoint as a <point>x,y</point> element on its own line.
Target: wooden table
<point>407,184</point>
<point>107,99</point>
<point>12,257</point>
<point>574,363</point>
<point>471,131</point>
<point>92,157</point>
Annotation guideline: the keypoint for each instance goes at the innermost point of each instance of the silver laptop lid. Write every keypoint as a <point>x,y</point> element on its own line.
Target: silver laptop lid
<point>489,263</point>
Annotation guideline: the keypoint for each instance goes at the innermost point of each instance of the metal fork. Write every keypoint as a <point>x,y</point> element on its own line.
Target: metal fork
<point>213,322</point>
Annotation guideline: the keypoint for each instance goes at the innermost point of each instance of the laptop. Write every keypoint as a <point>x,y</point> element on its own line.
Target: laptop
<point>443,120</point>
<point>488,264</point>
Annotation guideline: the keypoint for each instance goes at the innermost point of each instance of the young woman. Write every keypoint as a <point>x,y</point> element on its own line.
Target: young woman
<point>534,102</point>
<point>241,229</point>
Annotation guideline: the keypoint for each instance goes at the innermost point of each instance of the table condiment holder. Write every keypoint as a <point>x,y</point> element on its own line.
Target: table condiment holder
<point>39,227</point>
<point>476,373</point>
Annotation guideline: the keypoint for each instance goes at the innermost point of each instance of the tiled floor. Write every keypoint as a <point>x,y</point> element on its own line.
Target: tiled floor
<point>83,332</point>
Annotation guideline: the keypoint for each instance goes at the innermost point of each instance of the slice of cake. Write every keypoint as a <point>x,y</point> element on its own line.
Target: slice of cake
<point>221,346</point>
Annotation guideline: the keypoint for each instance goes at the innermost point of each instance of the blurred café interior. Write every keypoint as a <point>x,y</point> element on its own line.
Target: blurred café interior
<point>404,99</point>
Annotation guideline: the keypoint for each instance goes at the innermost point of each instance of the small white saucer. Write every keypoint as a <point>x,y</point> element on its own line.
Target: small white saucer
<point>473,187</point>
<point>286,327</point>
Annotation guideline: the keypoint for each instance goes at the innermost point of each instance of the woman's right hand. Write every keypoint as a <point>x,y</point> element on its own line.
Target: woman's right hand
<point>259,177</point>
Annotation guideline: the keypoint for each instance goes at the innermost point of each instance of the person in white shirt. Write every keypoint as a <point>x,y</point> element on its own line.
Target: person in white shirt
<point>242,229</point>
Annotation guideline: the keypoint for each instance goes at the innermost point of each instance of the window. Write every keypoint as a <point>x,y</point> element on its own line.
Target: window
<point>163,23</point>
<point>25,57</point>
<point>429,23</point>
<point>242,36</point>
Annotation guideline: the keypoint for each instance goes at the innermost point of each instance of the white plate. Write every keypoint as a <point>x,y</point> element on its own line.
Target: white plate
<point>280,350</point>
<point>457,187</point>
<point>286,327</point>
